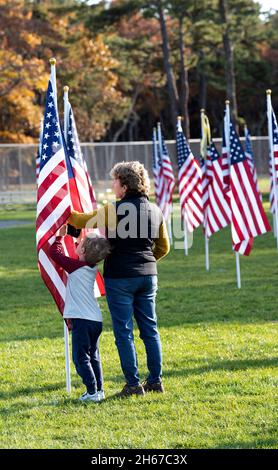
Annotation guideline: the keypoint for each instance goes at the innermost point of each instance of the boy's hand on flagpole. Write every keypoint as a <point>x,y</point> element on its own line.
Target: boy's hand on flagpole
<point>62,231</point>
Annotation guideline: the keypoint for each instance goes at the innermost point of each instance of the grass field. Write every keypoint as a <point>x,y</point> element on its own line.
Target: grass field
<point>219,346</point>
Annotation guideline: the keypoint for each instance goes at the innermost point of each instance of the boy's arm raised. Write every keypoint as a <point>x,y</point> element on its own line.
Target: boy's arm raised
<point>56,252</point>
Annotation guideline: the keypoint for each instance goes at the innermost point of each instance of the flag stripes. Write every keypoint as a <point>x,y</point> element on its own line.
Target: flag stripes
<point>218,214</point>
<point>164,179</point>
<point>248,216</point>
<point>190,183</point>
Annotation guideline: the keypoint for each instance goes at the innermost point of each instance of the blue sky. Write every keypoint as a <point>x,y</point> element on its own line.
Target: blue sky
<point>268,4</point>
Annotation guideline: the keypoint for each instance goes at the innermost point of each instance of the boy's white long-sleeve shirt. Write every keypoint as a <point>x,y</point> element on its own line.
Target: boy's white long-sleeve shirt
<point>80,299</point>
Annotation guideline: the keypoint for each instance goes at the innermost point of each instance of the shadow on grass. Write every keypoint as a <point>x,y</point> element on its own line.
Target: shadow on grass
<point>40,402</point>
<point>233,365</point>
<point>31,390</point>
<point>236,365</point>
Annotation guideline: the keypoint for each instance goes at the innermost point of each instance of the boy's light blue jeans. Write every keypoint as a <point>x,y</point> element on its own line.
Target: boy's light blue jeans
<point>135,296</point>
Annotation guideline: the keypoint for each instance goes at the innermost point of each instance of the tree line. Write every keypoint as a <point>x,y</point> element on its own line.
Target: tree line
<point>130,63</point>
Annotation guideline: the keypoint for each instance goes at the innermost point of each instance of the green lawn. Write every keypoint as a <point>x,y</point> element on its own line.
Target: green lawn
<point>18,212</point>
<point>219,346</point>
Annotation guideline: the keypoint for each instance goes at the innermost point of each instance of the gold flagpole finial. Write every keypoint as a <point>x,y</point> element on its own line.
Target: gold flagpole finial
<point>202,111</point>
<point>268,92</point>
<point>66,89</point>
<point>227,102</point>
<point>52,61</point>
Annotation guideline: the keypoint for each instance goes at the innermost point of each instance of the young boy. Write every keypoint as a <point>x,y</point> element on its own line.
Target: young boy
<point>83,310</point>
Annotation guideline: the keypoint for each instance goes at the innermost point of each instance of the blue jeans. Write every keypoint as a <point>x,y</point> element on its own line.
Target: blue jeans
<point>125,297</point>
<point>85,352</point>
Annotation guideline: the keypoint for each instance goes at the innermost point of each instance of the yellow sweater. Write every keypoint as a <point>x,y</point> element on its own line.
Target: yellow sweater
<point>106,217</point>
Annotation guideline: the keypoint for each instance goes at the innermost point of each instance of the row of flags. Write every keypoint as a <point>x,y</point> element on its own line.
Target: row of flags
<point>214,192</point>
<point>218,189</point>
<point>63,184</point>
<point>273,130</point>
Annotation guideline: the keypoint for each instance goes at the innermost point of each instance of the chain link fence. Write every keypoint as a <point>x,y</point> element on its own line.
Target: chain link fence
<point>18,164</point>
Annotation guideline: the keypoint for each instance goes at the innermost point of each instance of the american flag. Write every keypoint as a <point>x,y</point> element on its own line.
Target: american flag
<point>157,168</point>
<point>80,182</point>
<point>218,213</point>
<point>205,182</point>
<point>164,180</point>
<point>248,216</point>
<point>190,183</point>
<point>275,142</point>
<point>225,159</point>
<point>53,200</point>
<point>271,193</point>
<point>205,164</point>
<point>250,157</point>
<point>274,138</point>
<point>82,177</point>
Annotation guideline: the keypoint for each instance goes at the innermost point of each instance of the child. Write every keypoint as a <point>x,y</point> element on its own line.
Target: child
<point>82,308</point>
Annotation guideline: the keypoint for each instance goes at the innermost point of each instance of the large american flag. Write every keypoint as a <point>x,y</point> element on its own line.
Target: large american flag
<point>57,195</point>
<point>164,180</point>
<point>250,157</point>
<point>248,216</point>
<point>218,213</point>
<point>274,138</point>
<point>190,183</point>
<point>53,200</point>
<point>80,182</point>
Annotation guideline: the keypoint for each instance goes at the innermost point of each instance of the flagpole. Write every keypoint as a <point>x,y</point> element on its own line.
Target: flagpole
<point>66,331</point>
<point>169,224</point>
<point>66,112</point>
<point>52,62</point>
<point>202,149</point>
<point>227,121</point>
<point>238,270</point>
<point>274,226</point>
<point>185,237</point>
<point>270,133</point>
<point>184,220</point>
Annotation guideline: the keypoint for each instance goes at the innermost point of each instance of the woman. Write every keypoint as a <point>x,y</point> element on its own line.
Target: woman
<point>138,236</point>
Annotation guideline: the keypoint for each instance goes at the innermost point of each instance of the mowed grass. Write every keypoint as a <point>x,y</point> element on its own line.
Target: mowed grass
<point>219,347</point>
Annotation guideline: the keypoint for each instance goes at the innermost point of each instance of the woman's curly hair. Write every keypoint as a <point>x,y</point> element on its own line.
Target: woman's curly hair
<point>134,175</point>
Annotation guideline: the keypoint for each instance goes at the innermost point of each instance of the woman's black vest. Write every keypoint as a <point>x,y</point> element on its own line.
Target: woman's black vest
<point>138,223</point>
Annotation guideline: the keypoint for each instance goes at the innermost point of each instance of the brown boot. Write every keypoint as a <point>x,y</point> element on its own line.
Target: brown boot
<point>129,390</point>
<point>156,387</point>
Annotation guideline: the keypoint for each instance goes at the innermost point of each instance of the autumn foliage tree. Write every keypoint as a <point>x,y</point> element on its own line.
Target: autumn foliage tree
<point>130,63</point>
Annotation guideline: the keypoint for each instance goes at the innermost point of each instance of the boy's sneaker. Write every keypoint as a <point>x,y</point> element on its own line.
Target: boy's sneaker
<point>101,395</point>
<point>129,390</point>
<point>156,387</point>
<point>90,397</point>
